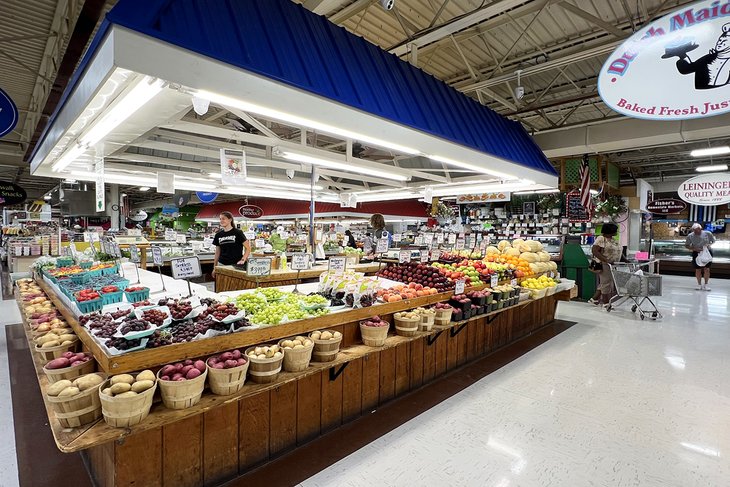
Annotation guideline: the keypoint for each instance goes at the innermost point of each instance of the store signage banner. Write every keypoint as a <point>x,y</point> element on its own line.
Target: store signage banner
<point>251,211</point>
<point>8,114</point>
<point>100,195</point>
<point>466,199</point>
<point>206,197</point>
<point>706,189</point>
<point>166,182</point>
<point>233,167</point>
<point>675,68</point>
<point>666,206</point>
<point>11,194</point>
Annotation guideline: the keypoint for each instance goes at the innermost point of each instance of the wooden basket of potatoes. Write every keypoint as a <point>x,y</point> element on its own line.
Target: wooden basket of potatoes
<point>51,345</point>
<point>297,353</point>
<point>126,399</point>
<point>326,345</point>
<point>265,363</point>
<point>76,402</point>
<point>69,366</point>
<point>407,323</point>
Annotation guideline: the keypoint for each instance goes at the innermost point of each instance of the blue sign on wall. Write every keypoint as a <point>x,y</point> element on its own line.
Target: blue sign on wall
<point>8,114</point>
<point>206,197</point>
<point>169,209</point>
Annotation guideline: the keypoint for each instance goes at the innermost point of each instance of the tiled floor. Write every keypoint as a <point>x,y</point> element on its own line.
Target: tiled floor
<point>613,401</point>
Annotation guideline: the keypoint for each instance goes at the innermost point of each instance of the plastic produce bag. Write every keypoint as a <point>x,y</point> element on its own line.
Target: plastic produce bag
<point>704,257</point>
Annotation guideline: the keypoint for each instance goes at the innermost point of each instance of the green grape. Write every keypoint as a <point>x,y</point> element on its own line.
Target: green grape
<point>251,302</point>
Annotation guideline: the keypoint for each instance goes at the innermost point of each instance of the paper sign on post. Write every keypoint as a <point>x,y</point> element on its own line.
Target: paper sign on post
<point>513,282</point>
<point>397,237</point>
<point>249,235</point>
<point>459,288</point>
<point>258,266</point>
<point>424,256</point>
<point>133,253</point>
<point>157,256</point>
<point>494,280</point>
<point>300,261</point>
<point>452,239</point>
<point>404,256</point>
<point>186,267</point>
<point>180,238</point>
<point>435,254</point>
<point>440,238</point>
<point>459,244</point>
<point>382,246</point>
<point>259,243</point>
<point>338,264</point>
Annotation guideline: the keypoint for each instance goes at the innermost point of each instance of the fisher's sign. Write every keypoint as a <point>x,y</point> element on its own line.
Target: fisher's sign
<point>675,68</point>
<point>706,189</point>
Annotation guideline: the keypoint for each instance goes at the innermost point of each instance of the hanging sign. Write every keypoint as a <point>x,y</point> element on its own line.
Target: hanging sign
<point>170,210</point>
<point>382,246</point>
<point>666,206</point>
<point>706,189</point>
<point>157,256</point>
<point>11,194</point>
<point>165,183</point>
<point>300,261</point>
<point>251,211</point>
<point>139,216</point>
<point>404,256</point>
<point>206,197</point>
<point>466,199</point>
<point>575,210</point>
<point>258,266</point>
<point>186,267</point>
<point>233,167</point>
<point>100,193</point>
<point>337,264</point>
<point>674,68</point>
<point>8,114</point>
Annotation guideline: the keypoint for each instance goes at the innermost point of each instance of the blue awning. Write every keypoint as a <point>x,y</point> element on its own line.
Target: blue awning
<point>283,41</point>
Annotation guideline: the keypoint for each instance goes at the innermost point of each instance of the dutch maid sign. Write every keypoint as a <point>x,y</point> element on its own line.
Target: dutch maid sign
<point>675,68</point>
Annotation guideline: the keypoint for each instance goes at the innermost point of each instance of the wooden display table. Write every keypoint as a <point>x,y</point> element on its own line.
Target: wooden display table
<point>142,247</point>
<point>228,278</point>
<point>224,436</point>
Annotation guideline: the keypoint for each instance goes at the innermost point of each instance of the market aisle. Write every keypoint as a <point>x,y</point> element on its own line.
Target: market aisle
<point>613,401</point>
<point>9,315</point>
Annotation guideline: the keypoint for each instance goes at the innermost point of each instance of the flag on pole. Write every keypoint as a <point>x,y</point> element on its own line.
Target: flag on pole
<point>585,184</point>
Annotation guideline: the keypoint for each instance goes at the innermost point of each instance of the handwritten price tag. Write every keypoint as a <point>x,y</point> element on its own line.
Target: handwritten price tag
<point>459,244</point>
<point>435,254</point>
<point>404,256</point>
<point>249,235</point>
<point>258,266</point>
<point>259,243</point>
<point>338,264</point>
<point>418,241</point>
<point>186,267</point>
<point>452,239</point>
<point>180,238</point>
<point>494,280</point>
<point>424,256</point>
<point>459,287</point>
<point>382,246</point>
<point>133,254</point>
<point>157,256</point>
<point>300,261</point>
<point>440,238</point>
<point>397,237</point>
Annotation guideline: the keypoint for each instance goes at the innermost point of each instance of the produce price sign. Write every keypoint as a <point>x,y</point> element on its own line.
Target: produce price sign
<point>428,239</point>
<point>397,237</point>
<point>300,261</point>
<point>435,254</point>
<point>186,267</point>
<point>494,280</point>
<point>418,241</point>
<point>382,246</point>
<point>459,287</point>
<point>440,238</point>
<point>513,282</point>
<point>258,266</point>
<point>259,243</point>
<point>404,256</point>
<point>460,244</point>
<point>169,234</point>
<point>181,239</point>
<point>157,256</point>
<point>452,239</point>
<point>338,264</point>
<point>483,244</point>
<point>424,257</point>
<point>133,253</point>
<point>249,235</point>
<point>117,251</point>
<point>575,211</point>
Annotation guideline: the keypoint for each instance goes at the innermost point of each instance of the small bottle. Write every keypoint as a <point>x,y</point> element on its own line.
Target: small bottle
<point>282,261</point>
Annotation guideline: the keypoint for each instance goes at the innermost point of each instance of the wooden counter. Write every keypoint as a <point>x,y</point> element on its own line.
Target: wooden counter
<point>228,278</point>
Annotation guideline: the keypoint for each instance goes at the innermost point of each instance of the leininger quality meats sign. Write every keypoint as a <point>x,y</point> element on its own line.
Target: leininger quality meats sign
<point>706,189</point>
<point>675,68</point>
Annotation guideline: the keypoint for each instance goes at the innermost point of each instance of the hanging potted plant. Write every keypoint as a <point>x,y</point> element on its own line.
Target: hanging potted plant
<point>610,206</point>
<point>442,213</point>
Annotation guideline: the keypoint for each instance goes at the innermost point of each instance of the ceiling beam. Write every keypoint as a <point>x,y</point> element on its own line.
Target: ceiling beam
<point>322,7</point>
<point>608,27</point>
<point>350,11</point>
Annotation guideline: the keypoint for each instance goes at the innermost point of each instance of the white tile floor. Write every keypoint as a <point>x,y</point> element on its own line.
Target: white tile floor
<point>613,401</point>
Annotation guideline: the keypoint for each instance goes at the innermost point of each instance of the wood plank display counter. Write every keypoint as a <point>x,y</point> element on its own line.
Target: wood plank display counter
<point>228,278</point>
<point>224,436</point>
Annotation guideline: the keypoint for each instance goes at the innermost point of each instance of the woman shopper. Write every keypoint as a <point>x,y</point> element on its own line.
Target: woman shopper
<point>606,251</point>
<point>697,241</point>
<point>350,239</point>
<point>231,245</point>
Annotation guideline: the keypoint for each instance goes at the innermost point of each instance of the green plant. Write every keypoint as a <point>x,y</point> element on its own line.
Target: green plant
<point>550,202</point>
<point>443,211</point>
<point>611,206</point>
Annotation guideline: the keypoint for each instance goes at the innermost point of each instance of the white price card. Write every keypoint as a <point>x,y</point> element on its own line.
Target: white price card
<point>483,244</point>
<point>300,261</point>
<point>452,239</point>
<point>404,256</point>
<point>338,264</point>
<point>157,256</point>
<point>66,251</point>
<point>207,241</point>
<point>186,267</point>
<point>459,244</point>
<point>459,287</point>
<point>435,254</point>
<point>258,266</point>
<point>180,238</point>
<point>133,253</point>
<point>169,234</point>
<point>117,251</point>
<point>494,280</point>
<point>428,239</point>
<point>418,241</point>
<point>259,243</point>
<point>440,238</point>
<point>382,246</point>
<point>397,237</point>
<point>249,235</point>
<point>513,282</point>
<point>424,256</point>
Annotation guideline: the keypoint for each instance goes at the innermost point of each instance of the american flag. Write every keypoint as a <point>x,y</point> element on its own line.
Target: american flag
<point>585,184</point>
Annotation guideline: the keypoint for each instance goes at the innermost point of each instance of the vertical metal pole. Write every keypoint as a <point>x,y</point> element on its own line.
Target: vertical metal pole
<point>312,181</point>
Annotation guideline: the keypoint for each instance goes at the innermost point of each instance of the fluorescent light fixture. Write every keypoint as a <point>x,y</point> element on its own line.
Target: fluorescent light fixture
<point>193,185</point>
<point>401,195</point>
<point>703,450</point>
<point>713,168</point>
<point>73,181</point>
<point>710,151</point>
<point>70,156</point>
<point>342,166</point>
<point>47,197</point>
<point>471,167</point>
<point>266,193</point>
<point>132,101</point>
<point>116,178</point>
<point>539,191</point>
<point>300,121</point>
<point>281,183</point>
<point>483,188</point>
<point>216,175</point>
<point>144,188</point>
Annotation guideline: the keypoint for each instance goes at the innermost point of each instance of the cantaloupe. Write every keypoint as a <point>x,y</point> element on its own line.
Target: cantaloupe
<point>504,244</point>
<point>529,256</point>
<point>512,252</point>
<point>493,250</point>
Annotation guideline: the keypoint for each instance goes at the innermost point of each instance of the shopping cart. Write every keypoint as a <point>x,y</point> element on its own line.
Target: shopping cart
<point>634,282</point>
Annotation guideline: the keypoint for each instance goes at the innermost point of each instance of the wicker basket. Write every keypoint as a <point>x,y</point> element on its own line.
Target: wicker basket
<point>70,373</point>
<point>407,327</point>
<point>181,394</point>
<point>427,322</point>
<point>374,336</point>
<point>443,316</point>
<point>264,371</point>
<point>225,382</point>
<point>551,290</point>
<point>49,353</point>
<point>78,410</point>
<point>296,360</point>
<point>326,350</point>
<point>123,412</point>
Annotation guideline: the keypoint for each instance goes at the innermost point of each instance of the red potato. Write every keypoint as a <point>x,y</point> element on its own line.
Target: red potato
<point>240,361</point>
<point>212,361</point>
<point>188,362</point>
<point>177,376</point>
<point>225,356</point>
<point>165,377</point>
<point>236,354</point>
<point>218,365</point>
<point>186,369</point>
<point>200,365</point>
<point>78,362</point>
<point>231,363</point>
<point>181,378</point>
<point>192,374</point>
<point>68,355</point>
<point>167,370</point>
<point>58,363</point>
